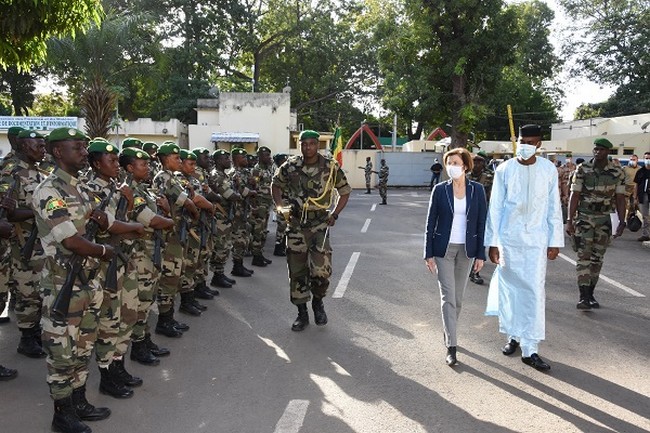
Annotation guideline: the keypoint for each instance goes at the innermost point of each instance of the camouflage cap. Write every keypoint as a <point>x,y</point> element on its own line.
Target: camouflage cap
<point>102,146</point>
<point>134,153</point>
<point>220,152</point>
<point>62,134</point>
<point>186,154</point>
<point>168,148</point>
<point>483,155</point>
<point>200,151</point>
<point>28,133</point>
<point>307,134</point>
<point>132,142</point>
<point>263,149</point>
<point>149,145</point>
<point>14,131</point>
<point>603,142</point>
<point>238,151</point>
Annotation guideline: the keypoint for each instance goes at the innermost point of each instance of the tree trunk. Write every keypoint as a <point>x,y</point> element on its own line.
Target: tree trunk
<point>458,139</point>
<point>98,104</point>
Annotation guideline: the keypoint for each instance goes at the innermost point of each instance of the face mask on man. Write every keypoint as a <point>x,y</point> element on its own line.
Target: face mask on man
<point>647,163</point>
<point>526,151</point>
<point>632,163</point>
<point>454,171</point>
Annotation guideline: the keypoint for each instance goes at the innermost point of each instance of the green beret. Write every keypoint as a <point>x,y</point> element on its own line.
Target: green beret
<point>135,153</point>
<point>149,145</point>
<point>220,152</point>
<point>603,142</point>
<point>530,131</point>
<point>14,131</point>
<point>132,142</point>
<point>28,133</point>
<point>263,149</point>
<point>62,134</point>
<point>186,154</point>
<point>238,151</point>
<point>308,133</point>
<point>168,148</point>
<point>170,142</point>
<point>251,157</point>
<point>200,151</point>
<point>102,146</point>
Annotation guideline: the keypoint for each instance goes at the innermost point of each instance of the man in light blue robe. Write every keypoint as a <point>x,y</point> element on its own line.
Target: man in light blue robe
<point>524,229</point>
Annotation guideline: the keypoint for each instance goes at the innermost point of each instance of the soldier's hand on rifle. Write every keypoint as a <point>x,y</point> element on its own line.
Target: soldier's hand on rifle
<point>101,218</point>
<point>127,193</point>
<point>8,203</point>
<point>163,204</point>
<point>191,208</point>
<point>107,253</point>
<point>6,229</point>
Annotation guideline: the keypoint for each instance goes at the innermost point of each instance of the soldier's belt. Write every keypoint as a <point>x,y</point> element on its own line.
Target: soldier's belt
<point>595,207</point>
<point>316,214</point>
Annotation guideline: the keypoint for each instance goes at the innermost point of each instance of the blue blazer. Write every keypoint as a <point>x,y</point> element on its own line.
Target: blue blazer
<point>441,215</point>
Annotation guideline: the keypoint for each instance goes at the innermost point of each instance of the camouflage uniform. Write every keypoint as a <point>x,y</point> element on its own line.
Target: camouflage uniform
<point>47,164</point>
<point>7,268</point>
<point>206,224</point>
<point>367,172</point>
<point>309,254</point>
<point>630,189</point>
<point>263,205</point>
<point>221,184</point>
<point>383,183</point>
<point>61,209</point>
<point>485,178</point>
<point>593,227</point>
<point>240,222</point>
<point>193,271</point>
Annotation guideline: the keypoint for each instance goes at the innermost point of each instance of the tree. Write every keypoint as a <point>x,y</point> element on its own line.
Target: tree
<point>26,25</point>
<point>20,86</point>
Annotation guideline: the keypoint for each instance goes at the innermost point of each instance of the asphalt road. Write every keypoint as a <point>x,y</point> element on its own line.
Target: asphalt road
<point>378,366</point>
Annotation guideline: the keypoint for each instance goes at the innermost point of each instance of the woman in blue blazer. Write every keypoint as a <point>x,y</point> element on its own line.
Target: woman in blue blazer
<point>454,238</point>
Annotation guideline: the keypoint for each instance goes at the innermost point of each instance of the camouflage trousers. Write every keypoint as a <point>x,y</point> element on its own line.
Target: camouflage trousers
<point>147,281</point>
<point>28,292</point>
<point>309,259</point>
<point>195,263</point>
<point>383,191</point>
<point>69,343</point>
<point>591,239</point>
<point>644,207</point>
<point>260,222</point>
<point>172,269</point>
<point>222,241</point>
<point>280,229</point>
<point>7,282</point>
<point>368,180</point>
<point>240,237</point>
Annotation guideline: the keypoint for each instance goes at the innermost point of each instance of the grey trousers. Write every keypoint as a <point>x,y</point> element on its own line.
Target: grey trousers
<point>644,206</point>
<point>453,273</point>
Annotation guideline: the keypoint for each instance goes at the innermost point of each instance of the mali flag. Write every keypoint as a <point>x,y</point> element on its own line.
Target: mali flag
<point>337,147</point>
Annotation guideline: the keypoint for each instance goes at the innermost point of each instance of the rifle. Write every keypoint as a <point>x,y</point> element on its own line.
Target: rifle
<point>111,271</point>
<point>10,192</point>
<point>158,244</point>
<point>27,249</point>
<point>61,304</point>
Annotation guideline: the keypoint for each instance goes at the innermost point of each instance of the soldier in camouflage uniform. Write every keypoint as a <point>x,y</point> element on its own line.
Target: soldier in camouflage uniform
<point>145,211</point>
<point>6,232</point>
<point>367,172</point>
<point>62,211</point>
<point>483,175</point>
<point>281,224</point>
<point>630,171</point>
<point>263,204</point>
<point>308,183</point>
<point>166,183</point>
<point>154,164</point>
<point>383,181</point>
<point>597,186</point>
<point>26,176</point>
<point>221,185</point>
<point>118,312</point>
<point>240,179</point>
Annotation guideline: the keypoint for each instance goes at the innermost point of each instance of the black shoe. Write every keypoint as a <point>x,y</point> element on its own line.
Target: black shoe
<point>536,362</point>
<point>165,326</point>
<point>110,383</point>
<point>280,250</point>
<point>201,292</point>
<point>476,278</point>
<point>5,319</point>
<point>187,304</point>
<point>320,317</point>
<point>28,345</point>
<point>7,373</point>
<point>180,325</point>
<point>510,347</point>
<point>127,378</point>
<point>239,270</point>
<point>590,298</point>
<point>302,320</point>
<point>258,260</point>
<point>583,302</point>
<point>230,280</point>
<point>451,356</point>
<point>200,306</point>
<point>142,354</point>
<point>268,261</point>
<point>153,347</point>
<point>219,280</point>
<point>66,418</point>
<point>85,410</point>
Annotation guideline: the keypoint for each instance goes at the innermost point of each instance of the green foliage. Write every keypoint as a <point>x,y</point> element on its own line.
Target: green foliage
<point>53,104</point>
<point>19,86</point>
<point>587,111</point>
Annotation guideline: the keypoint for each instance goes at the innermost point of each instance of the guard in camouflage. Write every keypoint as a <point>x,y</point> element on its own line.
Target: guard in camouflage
<point>383,181</point>
<point>263,204</point>
<point>145,211</point>
<point>62,211</point>
<point>241,180</point>
<point>24,173</point>
<point>6,231</point>
<point>597,187</point>
<point>367,172</point>
<point>483,175</point>
<point>307,184</point>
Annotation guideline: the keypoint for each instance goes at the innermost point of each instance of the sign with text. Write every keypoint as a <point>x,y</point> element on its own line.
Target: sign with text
<point>37,123</point>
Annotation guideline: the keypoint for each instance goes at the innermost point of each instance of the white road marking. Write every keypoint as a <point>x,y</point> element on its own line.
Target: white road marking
<point>293,417</point>
<point>365,226</point>
<point>347,274</point>
<point>374,206</point>
<point>609,280</point>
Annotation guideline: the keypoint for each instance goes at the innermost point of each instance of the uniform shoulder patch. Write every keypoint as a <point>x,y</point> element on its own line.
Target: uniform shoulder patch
<point>55,204</point>
<point>138,201</point>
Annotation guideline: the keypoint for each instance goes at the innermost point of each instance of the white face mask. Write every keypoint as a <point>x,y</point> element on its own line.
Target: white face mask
<point>526,151</point>
<point>646,162</point>
<point>632,163</point>
<point>454,171</point>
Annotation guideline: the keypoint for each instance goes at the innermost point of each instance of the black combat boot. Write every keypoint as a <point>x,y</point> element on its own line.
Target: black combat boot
<point>475,278</point>
<point>198,305</point>
<point>239,270</point>
<point>66,419</point>
<point>268,261</point>
<point>280,250</point>
<point>583,303</point>
<point>302,320</point>
<point>127,378</point>
<point>219,280</point>
<point>141,353</point>
<point>110,383</point>
<point>230,280</point>
<point>383,201</point>
<point>165,325</point>
<point>367,190</point>
<point>320,318</point>
<point>187,304</point>
<point>258,260</point>
<point>28,345</point>
<point>85,410</point>
<point>153,347</point>
<point>590,297</point>
<point>451,356</point>
<point>7,373</point>
<point>201,291</point>
<point>179,325</point>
